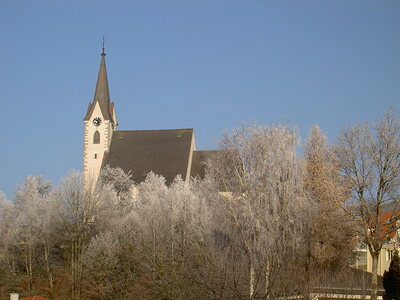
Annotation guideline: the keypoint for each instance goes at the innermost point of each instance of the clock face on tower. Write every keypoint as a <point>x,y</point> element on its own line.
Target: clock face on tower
<point>97,121</point>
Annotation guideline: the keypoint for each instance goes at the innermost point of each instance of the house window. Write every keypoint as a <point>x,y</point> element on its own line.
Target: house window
<point>95,156</point>
<point>389,255</point>
<point>96,137</point>
<point>361,260</point>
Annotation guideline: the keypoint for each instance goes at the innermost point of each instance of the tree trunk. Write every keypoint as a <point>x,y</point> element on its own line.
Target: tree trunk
<point>307,271</point>
<point>48,270</point>
<point>154,254</point>
<point>252,280</point>
<point>73,271</point>
<point>374,277</point>
<point>267,284</point>
<point>28,267</point>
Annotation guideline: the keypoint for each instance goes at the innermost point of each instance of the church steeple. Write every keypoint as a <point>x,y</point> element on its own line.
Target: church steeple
<point>100,123</point>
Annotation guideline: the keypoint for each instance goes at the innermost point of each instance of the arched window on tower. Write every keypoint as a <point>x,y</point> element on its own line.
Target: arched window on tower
<point>96,138</point>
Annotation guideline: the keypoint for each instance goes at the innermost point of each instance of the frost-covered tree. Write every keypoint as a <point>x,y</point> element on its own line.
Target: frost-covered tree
<point>121,183</point>
<point>102,267</point>
<point>7,266</point>
<point>6,218</point>
<point>28,232</point>
<point>259,177</point>
<point>369,157</point>
<point>83,211</point>
<point>156,215</point>
<point>46,231</point>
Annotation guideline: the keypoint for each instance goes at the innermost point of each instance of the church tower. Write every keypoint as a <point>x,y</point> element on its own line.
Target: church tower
<point>100,122</point>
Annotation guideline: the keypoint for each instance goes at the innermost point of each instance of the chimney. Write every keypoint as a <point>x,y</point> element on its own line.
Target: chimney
<point>14,296</point>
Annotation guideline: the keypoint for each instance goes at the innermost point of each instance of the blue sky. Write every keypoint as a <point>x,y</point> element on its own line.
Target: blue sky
<point>208,65</point>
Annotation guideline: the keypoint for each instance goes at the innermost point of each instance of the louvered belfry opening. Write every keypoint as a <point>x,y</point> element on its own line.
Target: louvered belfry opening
<point>96,137</point>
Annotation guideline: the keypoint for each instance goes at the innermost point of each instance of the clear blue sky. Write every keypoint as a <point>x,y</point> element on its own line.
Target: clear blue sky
<point>207,64</point>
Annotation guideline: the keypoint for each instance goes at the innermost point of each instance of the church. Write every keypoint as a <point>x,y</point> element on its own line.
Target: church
<point>168,152</point>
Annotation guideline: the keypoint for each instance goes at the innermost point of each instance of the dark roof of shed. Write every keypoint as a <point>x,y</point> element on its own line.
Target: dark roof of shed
<point>198,162</point>
<point>164,152</point>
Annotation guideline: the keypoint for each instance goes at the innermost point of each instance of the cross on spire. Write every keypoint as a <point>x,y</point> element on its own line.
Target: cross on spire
<point>103,53</point>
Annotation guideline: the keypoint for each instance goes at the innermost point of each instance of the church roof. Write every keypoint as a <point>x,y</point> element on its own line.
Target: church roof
<point>164,152</point>
<point>102,93</point>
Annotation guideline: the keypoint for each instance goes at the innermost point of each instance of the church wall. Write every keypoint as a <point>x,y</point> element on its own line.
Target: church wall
<point>192,149</point>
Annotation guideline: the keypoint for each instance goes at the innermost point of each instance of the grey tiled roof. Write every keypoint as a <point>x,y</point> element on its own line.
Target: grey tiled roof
<point>165,152</point>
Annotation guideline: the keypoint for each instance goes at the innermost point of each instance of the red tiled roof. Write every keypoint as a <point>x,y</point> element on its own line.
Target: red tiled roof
<point>388,220</point>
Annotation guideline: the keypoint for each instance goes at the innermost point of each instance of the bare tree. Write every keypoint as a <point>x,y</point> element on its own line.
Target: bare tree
<point>101,267</point>
<point>369,157</point>
<point>81,211</point>
<point>30,210</point>
<point>121,183</point>
<point>259,175</point>
<point>6,218</point>
<point>7,264</point>
<point>29,236</point>
<point>331,231</point>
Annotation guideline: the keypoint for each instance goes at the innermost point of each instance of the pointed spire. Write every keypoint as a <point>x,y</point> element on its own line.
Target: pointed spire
<point>102,93</point>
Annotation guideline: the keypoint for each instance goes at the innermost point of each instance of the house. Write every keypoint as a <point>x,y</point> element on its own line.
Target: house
<point>363,258</point>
